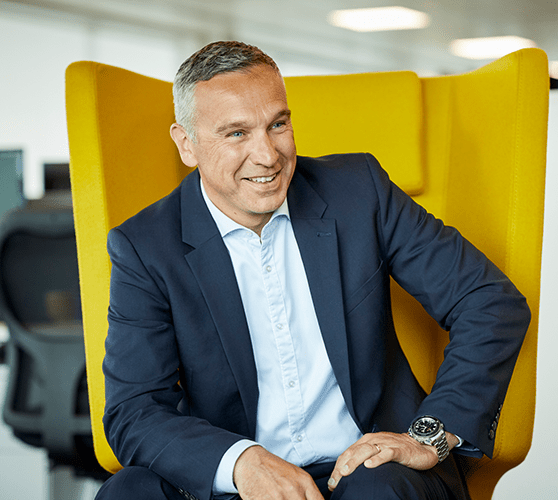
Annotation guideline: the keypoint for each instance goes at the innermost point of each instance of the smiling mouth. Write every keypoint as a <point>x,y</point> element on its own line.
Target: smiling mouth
<point>262,180</point>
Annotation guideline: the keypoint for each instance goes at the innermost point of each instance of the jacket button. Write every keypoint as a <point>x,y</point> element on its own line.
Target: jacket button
<point>491,434</point>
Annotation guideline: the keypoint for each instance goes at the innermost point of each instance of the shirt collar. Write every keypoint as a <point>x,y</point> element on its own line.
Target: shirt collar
<point>225,224</point>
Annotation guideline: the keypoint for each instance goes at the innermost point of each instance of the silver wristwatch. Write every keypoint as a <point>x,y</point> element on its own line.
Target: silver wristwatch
<point>429,430</point>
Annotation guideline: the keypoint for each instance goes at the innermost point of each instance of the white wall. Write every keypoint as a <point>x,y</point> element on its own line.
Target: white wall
<point>34,52</point>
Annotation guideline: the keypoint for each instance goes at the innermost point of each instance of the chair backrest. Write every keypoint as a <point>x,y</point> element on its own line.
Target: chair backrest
<point>470,148</point>
<point>46,399</point>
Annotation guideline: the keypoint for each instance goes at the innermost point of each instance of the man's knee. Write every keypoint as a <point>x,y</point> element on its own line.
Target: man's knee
<point>137,483</point>
<point>390,481</point>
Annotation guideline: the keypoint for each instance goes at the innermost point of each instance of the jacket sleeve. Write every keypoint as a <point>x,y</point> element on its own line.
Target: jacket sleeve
<point>143,423</point>
<point>486,316</point>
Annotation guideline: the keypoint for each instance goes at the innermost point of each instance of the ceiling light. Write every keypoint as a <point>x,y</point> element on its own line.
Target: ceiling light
<point>379,19</point>
<point>489,48</point>
<point>553,69</point>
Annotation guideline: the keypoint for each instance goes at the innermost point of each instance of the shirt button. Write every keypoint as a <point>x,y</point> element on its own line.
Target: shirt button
<point>268,269</point>
<point>292,383</point>
<point>279,326</point>
<point>299,438</point>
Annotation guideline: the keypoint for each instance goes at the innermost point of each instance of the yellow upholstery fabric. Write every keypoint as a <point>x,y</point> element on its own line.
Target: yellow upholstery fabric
<point>470,148</point>
<point>485,148</point>
<point>379,112</point>
<point>122,159</point>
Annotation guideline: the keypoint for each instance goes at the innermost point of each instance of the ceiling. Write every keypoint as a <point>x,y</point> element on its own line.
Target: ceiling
<point>296,32</point>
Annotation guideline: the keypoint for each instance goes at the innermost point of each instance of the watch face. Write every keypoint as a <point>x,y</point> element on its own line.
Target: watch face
<point>426,426</point>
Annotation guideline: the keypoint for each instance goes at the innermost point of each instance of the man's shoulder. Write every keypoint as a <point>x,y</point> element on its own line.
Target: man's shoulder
<point>336,168</point>
<point>338,173</point>
<point>336,162</point>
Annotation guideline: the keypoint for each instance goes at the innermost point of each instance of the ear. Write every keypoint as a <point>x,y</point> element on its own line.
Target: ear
<point>184,145</point>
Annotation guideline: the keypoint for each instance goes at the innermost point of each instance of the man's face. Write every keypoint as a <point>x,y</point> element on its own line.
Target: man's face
<point>245,148</point>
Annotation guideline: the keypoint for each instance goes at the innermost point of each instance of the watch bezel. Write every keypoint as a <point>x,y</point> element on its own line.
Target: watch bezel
<point>429,433</point>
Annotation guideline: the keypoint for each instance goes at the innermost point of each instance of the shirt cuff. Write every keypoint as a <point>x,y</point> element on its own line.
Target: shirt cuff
<point>223,481</point>
<point>461,441</point>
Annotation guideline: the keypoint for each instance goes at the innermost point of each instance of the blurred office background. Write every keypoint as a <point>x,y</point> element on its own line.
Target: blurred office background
<point>38,39</point>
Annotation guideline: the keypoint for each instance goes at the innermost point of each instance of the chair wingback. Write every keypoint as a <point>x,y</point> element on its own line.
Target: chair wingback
<point>470,148</point>
<point>121,159</point>
<point>485,150</point>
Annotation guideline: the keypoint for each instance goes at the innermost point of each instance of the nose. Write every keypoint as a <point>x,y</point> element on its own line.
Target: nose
<point>264,152</point>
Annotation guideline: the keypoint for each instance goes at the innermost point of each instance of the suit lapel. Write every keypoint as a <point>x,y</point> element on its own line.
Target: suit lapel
<point>317,241</point>
<point>211,265</point>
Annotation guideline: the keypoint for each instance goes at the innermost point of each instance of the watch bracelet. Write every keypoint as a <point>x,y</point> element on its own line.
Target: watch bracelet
<point>442,447</point>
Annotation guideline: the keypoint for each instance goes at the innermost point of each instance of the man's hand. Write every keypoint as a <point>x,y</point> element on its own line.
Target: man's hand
<point>375,449</point>
<point>260,475</point>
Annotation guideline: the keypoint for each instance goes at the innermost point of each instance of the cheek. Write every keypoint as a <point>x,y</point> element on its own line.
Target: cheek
<point>228,156</point>
<point>221,163</point>
<point>287,146</point>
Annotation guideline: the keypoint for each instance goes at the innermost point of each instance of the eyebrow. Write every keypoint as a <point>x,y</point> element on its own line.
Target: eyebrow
<point>285,113</point>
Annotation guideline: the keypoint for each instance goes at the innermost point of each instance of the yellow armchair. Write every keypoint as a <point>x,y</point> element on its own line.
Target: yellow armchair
<point>470,148</point>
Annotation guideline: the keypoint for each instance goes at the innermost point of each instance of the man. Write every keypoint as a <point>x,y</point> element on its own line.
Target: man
<point>251,349</point>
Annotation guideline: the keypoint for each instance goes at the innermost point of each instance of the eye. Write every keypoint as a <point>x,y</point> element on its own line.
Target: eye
<point>277,125</point>
<point>236,133</point>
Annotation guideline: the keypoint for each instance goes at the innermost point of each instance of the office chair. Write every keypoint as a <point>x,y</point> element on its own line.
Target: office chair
<point>46,402</point>
<point>470,148</point>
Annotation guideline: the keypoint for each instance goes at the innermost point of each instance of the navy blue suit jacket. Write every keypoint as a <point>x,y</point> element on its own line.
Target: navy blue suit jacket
<point>181,382</point>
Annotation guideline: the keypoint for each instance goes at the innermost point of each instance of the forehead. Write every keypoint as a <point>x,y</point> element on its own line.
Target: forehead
<point>258,87</point>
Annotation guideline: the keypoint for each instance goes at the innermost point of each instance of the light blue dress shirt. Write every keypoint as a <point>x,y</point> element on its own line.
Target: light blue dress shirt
<point>302,416</point>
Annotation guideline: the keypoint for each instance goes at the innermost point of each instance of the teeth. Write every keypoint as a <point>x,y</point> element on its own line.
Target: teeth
<point>263,179</point>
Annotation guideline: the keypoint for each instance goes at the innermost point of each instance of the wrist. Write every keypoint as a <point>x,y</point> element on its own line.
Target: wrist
<point>223,482</point>
<point>452,440</point>
<point>248,459</point>
<point>428,430</point>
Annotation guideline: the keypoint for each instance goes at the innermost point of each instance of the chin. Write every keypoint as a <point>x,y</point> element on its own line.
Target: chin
<point>268,205</point>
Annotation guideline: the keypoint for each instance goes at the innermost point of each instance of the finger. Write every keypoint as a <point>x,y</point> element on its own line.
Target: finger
<point>376,458</point>
<point>385,455</point>
<point>356,455</point>
<point>336,476</point>
<point>353,457</point>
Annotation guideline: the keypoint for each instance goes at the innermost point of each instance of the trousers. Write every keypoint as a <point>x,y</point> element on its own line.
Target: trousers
<point>386,482</point>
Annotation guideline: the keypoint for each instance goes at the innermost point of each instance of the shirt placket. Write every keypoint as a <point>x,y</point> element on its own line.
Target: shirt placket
<point>284,343</point>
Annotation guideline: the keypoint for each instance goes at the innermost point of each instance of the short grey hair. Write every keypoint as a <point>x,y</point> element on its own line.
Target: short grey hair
<point>211,60</point>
